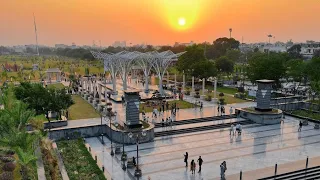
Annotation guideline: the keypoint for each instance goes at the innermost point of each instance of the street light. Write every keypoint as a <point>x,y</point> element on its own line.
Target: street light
<point>104,115</point>
<point>137,136</point>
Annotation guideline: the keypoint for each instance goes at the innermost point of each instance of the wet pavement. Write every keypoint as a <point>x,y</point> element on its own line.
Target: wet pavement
<point>258,147</point>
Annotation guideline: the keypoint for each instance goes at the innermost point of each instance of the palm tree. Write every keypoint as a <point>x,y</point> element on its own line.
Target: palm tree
<point>26,159</point>
<point>4,74</point>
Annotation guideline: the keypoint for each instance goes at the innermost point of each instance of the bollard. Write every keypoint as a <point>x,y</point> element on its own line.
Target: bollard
<point>241,175</point>
<point>307,162</point>
<point>275,169</point>
<point>96,158</point>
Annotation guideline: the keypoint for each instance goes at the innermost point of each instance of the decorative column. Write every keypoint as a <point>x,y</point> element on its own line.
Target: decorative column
<point>183,81</point>
<point>203,85</point>
<point>114,85</point>
<point>192,83</point>
<point>168,76</point>
<point>215,90</point>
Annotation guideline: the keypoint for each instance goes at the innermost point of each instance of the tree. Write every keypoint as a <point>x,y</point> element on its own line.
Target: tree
<point>194,54</point>
<point>313,67</point>
<point>233,55</point>
<point>205,69</point>
<point>294,51</point>
<point>220,47</point>
<point>264,66</point>
<point>296,71</point>
<point>224,65</point>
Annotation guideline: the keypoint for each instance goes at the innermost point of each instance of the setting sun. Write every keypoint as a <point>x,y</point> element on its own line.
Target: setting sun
<point>182,21</point>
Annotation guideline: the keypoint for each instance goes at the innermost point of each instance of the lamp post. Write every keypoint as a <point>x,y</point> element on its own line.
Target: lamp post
<point>104,115</point>
<point>137,136</point>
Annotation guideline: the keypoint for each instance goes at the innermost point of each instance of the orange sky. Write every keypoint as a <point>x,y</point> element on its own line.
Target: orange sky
<point>156,21</point>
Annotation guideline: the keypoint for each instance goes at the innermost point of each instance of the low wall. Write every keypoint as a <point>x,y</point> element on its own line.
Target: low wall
<point>52,124</point>
<point>118,136</point>
<point>288,99</point>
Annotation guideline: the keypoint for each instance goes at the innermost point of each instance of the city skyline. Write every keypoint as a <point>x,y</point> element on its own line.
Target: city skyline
<point>157,22</point>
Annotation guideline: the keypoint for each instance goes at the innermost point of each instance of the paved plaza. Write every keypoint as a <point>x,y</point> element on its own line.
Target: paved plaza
<point>260,146</point>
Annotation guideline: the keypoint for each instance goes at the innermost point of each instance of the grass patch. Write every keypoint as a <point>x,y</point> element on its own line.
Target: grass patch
<point>81,109</point>
<point>180,104</point>
<point>232,100</point>
<point>56,86</point>
<point>226,90</point>
<point>78,161</point>
<point>303,113</point>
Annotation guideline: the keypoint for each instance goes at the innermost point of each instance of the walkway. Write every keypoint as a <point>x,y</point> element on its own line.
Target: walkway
<point>258,147</point>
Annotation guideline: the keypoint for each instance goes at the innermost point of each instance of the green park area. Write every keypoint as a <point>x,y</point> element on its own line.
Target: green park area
<point>308,114</point>
<point>78,160</point>
<point>56,85</point>
<point>148,107</point>
<point>81,109</point>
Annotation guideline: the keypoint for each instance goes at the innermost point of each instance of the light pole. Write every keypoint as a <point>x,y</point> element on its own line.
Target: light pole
<point>104,115</point>
<point>137,136</point>
<point>230,30</point>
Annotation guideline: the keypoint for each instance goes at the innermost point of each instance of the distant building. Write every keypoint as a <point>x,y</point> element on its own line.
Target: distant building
<point>19,49</point>
<point>183,44</point>
<point>119,44</point>
<point>308,48</point>
<point>60,46</point>
<point>73,46</point>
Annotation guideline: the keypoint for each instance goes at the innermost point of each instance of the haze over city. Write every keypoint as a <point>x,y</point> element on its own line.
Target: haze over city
<point>158,22</point>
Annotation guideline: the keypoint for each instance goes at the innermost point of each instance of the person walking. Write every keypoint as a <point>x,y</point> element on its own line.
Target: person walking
<point>201,106</point>
<point>218,109</point>
<point>163,107</point>
<point>231,129</point>
<point>167,105</point>
<point>222,170</point>
<point>300,126</point>
<point>200,161</point>
<point>186,158</point>
<point>231,110</point>
<point>225,166</point>
<point>193,167</point>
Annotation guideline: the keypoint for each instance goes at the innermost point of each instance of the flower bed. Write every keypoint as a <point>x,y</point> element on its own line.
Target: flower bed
<point>78,161</point>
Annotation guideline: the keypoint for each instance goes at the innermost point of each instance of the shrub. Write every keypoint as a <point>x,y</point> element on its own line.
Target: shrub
<point>6,176</point>
<point>9,166</point>
<point>208,98</point>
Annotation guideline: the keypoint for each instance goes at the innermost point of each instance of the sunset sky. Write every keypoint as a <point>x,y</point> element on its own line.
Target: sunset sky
<point>157,22</point>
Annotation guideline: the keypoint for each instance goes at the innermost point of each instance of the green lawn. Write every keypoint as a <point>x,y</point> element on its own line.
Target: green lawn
<point>81,109</point>
<point>303,113</point>
<point>232,100</point>
<point>78,161</point>
<point>226,90</point>
<point>57,86</point>
<point>180,104</point>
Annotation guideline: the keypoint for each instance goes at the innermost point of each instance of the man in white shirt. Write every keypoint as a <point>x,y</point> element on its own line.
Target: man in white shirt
<point>231,129</point>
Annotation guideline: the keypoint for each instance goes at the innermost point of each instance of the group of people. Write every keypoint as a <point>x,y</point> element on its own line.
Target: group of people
<point>168,122</point>
<point>193,163</point>
<point>235,128</point>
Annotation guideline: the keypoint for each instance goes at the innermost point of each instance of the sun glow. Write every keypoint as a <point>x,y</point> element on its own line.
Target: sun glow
<point>181,14</point>
<point>181,21</point>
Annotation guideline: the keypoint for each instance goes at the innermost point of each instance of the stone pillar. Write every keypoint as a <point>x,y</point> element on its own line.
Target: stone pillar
<point>114,85</point>
<point>99,90</point>
<point>203,85</point>
<point>184,81</point>
<point>215,88</point>
<point>192,83</point>
<point>168,78</point>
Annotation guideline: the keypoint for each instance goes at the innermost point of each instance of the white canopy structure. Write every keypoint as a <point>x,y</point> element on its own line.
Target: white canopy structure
<point>123,61</point>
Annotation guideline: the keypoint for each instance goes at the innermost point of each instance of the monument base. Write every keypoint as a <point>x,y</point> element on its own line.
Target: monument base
<point>262,117</point>
<point>133,126</point>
